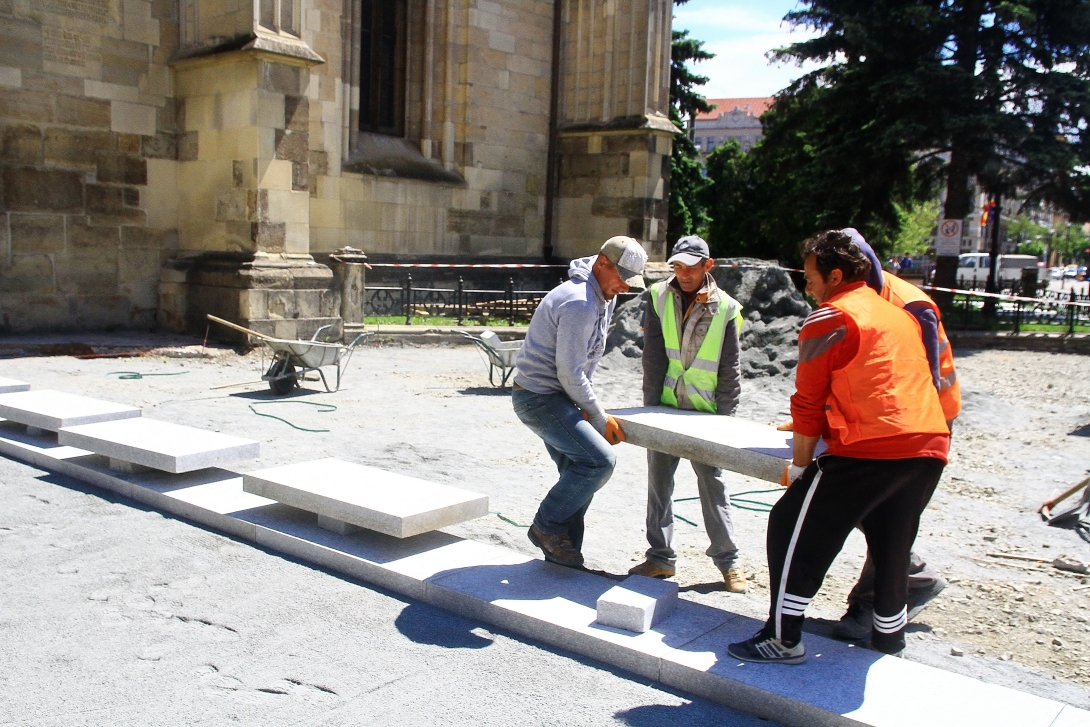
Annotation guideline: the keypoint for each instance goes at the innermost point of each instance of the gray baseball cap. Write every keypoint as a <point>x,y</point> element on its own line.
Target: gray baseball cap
<point>690,250</point>
<point>626,253</point>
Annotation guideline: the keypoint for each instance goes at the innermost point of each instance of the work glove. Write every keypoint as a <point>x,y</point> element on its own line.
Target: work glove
<point>613,433</point>
<point>791,473</point>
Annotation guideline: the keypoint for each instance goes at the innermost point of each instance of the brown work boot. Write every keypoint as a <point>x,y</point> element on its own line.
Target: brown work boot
<point>557,548</point>
<point>735,578</point>
<point>651,570</point>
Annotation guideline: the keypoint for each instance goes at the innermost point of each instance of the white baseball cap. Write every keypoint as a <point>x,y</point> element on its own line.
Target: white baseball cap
<point>626,253</point>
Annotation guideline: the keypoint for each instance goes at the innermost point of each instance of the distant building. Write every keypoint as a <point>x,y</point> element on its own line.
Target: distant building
<point>732,118</point>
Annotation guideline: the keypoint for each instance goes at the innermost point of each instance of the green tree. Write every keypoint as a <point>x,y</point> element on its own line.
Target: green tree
<point>996,91</point>
<point>917,228</point>
<point>912,95</point>
<point>686,213</point>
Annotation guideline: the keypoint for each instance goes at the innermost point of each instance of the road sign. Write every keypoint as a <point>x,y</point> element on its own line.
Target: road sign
<point>948,241</point>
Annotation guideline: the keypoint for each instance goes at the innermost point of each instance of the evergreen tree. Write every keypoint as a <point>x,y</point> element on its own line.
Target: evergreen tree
<point>913,94</point>
<point>996,91</point>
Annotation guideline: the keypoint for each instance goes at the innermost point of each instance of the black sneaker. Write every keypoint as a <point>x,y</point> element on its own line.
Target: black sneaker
<point>855,624</point>
<point>917,600</point>
<point>767,650</point>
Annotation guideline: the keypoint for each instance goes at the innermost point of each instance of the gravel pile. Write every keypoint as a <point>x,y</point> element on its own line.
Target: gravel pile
<point>771,304</point>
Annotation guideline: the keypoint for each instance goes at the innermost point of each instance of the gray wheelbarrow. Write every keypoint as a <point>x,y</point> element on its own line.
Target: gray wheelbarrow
<point>293,360</point>
<point>500,355</point>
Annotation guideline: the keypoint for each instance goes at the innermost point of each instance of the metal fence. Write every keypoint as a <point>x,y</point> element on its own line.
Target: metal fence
<point>462,303</point>
<point>965,308</point>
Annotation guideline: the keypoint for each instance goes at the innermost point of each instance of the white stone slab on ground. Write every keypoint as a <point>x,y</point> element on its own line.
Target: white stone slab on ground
<point>637,604</point>
<point>159,445</point>
<point>367,497</point>
<point>53,410</point>
<point>9,386</point>
<point>738,445</point>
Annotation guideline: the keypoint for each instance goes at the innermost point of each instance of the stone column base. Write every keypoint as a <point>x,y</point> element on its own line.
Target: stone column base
<point>282,297</point>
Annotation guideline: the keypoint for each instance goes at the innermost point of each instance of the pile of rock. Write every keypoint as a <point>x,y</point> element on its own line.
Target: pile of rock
<point>771,304</point>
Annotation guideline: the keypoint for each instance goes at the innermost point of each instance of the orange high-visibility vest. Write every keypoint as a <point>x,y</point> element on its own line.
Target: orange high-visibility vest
<point>886,389</point>
<point>901,293</point>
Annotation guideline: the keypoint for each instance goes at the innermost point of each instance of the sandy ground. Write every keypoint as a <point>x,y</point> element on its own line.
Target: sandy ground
<point>430,412</point>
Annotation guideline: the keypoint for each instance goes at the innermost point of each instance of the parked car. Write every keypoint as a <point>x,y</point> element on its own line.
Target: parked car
<point>1056,273</point>
<point>974,266</point>
<point>1071,271</point>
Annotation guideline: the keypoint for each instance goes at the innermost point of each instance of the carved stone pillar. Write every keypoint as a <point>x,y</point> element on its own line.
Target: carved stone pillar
<point>615,135</point>
<point>244,207</point>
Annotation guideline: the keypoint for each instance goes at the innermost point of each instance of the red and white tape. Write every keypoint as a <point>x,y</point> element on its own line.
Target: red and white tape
<point>1000,296</point>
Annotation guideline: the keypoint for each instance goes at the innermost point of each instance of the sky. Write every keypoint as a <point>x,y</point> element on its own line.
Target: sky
<point>740,33</point>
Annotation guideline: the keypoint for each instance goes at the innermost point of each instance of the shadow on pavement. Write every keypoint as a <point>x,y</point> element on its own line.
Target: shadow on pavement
<point>424,624</point>
<point>690,714</point>
<point>485,391</point>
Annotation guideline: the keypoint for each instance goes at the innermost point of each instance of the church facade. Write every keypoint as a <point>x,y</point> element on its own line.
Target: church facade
<point>163,159</point>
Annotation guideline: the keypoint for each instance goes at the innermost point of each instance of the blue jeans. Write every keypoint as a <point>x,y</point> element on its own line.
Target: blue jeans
<point>583,457</point>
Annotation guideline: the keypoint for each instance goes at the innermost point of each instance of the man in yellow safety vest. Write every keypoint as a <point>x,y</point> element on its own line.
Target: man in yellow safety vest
<point>691,362</point>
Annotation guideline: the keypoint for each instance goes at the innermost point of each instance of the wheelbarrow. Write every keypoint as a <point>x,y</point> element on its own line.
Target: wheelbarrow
<point>293,360</point>
<point>500,355</point>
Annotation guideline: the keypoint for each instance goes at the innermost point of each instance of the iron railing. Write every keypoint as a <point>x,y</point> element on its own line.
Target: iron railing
<point>964,308</point>
<point>461,303</point>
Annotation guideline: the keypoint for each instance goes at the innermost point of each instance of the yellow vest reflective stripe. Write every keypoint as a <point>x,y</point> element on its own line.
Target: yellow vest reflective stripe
<point>702,376</point>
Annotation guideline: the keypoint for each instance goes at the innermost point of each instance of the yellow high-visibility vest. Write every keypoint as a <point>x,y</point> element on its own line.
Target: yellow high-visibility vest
<point>702,376</point>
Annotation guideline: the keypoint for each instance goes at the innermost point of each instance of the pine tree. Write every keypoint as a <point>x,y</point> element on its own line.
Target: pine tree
<point>996,91</point>
<point>913,95</point>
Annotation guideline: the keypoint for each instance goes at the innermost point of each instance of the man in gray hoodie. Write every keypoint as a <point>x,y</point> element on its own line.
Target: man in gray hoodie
<point>553,395</point>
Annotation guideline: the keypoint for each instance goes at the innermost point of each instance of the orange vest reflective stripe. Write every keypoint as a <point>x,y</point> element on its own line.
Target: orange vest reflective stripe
<point>886,390</point>
<point>901,293</point>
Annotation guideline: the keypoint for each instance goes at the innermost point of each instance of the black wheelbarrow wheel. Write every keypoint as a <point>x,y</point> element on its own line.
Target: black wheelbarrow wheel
<point>282,376</point>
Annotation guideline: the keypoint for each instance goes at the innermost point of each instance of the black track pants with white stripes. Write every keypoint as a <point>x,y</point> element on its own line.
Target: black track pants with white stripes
<point>808,527</point>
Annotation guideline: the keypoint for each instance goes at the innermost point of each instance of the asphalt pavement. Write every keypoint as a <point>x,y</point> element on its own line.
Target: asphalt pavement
<point>111,613</point>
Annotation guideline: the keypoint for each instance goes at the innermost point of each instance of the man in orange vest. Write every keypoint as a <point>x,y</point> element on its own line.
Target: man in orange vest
<point>924,583</point>
<point>863,384</point>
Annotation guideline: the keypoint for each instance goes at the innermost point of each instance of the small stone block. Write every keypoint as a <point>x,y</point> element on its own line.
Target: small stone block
<point>336,526</point>
<point>8,386</point>
<point>159,445</point>
<point>637,604</point>
<point>53,410</point>
<point>370,498</point>
<point>120,465</point>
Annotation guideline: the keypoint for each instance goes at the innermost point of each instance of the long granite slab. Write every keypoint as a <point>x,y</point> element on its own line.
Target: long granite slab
<point>840,685</point>
<point>367,497</point>
<point>54,410</point>
<point>159,445</point>
<point>746,447</point>
<point>8,386</point>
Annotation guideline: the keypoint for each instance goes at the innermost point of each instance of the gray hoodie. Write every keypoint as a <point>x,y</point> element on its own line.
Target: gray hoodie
<point>566,339</point>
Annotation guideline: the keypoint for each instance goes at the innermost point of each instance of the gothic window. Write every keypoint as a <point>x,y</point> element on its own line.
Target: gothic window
<point>382,66</point>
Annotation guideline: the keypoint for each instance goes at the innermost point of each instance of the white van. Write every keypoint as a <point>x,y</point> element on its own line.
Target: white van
<point>975,266</point>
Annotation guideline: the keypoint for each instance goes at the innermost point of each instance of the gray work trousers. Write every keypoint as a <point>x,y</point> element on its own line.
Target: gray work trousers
<point>921,579</point>
<point>660,511</point>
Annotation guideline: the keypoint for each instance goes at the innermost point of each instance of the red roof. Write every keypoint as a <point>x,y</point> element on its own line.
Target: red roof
<point>755,106</point>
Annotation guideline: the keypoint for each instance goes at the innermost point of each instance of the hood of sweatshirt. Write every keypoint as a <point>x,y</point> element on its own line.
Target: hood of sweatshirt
<point>874,277</point>
<point>580,267</point>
